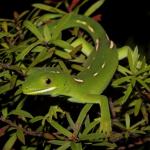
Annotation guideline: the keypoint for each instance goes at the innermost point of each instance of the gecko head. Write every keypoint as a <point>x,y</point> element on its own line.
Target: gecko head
<point>44,81</point>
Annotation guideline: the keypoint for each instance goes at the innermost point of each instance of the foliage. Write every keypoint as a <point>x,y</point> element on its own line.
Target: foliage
<point>28,122</point>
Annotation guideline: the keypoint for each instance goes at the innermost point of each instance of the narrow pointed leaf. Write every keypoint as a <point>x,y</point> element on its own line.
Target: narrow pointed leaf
<point>46,33</point>
<point>143,84</point>
<point>94,7</point>
<point>70,121</point>
<point>130,60</point>
<point>42,56</point>
<point>124,98</point>
<point>48,8</point>
<point>127,120</point>
<point>124,70</point>
<point>76,146</point>
<point>10,142</point>
<point>36,119</point>
<point>60,26</point>
<point>90,127</point>
<point>61,129</point>
<point>92,136</point>
<point>82,116</point>
<point>121,81</point>
<point>27,50</point>
<point>139,123</point>
<point>4,88</point>
<point>30,26</point>
<point>63,44</point>
<point>62,54</point>
<point>21,113</point>
<point>65,146</point>
<point>20,136</point>
<point>5,112</point>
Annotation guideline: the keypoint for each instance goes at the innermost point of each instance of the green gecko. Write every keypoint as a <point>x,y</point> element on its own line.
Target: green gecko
<point>88,85</point>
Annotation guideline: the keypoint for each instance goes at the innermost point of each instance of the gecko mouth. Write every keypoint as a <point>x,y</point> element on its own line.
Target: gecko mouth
<point>41,91</point>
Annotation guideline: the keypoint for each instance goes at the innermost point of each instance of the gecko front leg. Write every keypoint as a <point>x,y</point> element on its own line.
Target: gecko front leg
<point>105,118</point>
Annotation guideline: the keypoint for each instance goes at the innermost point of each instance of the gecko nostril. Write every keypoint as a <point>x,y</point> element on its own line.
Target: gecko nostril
<point>48,81</point>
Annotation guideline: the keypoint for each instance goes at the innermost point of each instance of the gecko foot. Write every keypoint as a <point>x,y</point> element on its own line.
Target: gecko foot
<point>105,127</point>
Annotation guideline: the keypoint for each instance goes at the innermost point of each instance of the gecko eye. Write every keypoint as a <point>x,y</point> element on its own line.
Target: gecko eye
<point>48,81</point>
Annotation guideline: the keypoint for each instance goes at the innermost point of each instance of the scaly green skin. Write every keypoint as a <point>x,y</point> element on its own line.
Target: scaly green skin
<point>87,86</point>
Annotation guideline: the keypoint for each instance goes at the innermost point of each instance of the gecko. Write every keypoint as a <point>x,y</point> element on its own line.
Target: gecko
<point>88,85</point>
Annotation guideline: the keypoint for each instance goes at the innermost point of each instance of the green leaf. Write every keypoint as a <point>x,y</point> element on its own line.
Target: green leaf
<point>64,67</point>
<point>137,106</point>
<point>29,148</point>
<point>131,61</point>
<point>107,144</point>
<point>121,80</point>
<point>5,34</point>
<point>142,63</point>
<point>70,121</point>
<point>76,146</point>
<point>77,67</point>
<point>21,113</point>
<point>30,26</point>
<point>127,120</point>
<point>82,116</point>
<point>119,124</point>
<point>61,129</point>
<point>62,54</point>
<point>47,147</point>
<point>20,136</point>
<point>57,142</point>
<point>53,112</point>
<point>47,17</point>
<point>47,34</point>
<point>5,88</point>
<point>20,105</point>
<point>5,26</point>
<point>141,122</point>
<point>65,146</point>
<point>124,98</point>
<point>60,26</point>
<point>27,50</point>
<point>147,68</point>
<point>143,84</point>
<point>42,56</point>
<point>36,119</point>
<point>87,121</point>
<point>135,56</point>
<point>5,112</point>
<point>91,136</point>
<point>124,70</point>
<point>94,7</point>
<point>22,14</point>
<point>48,8</point>
<point>63,44</point>
<point>145,113</point>
<point>10,142</point>
<point>38,49</point>
<point>13,81</point>
<point>90,127</point>
<point>147,80</point>
<point>147,128</point>
<point>5,74</point>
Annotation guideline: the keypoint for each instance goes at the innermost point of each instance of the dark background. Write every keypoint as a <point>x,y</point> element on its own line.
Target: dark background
<point>126,21</point>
